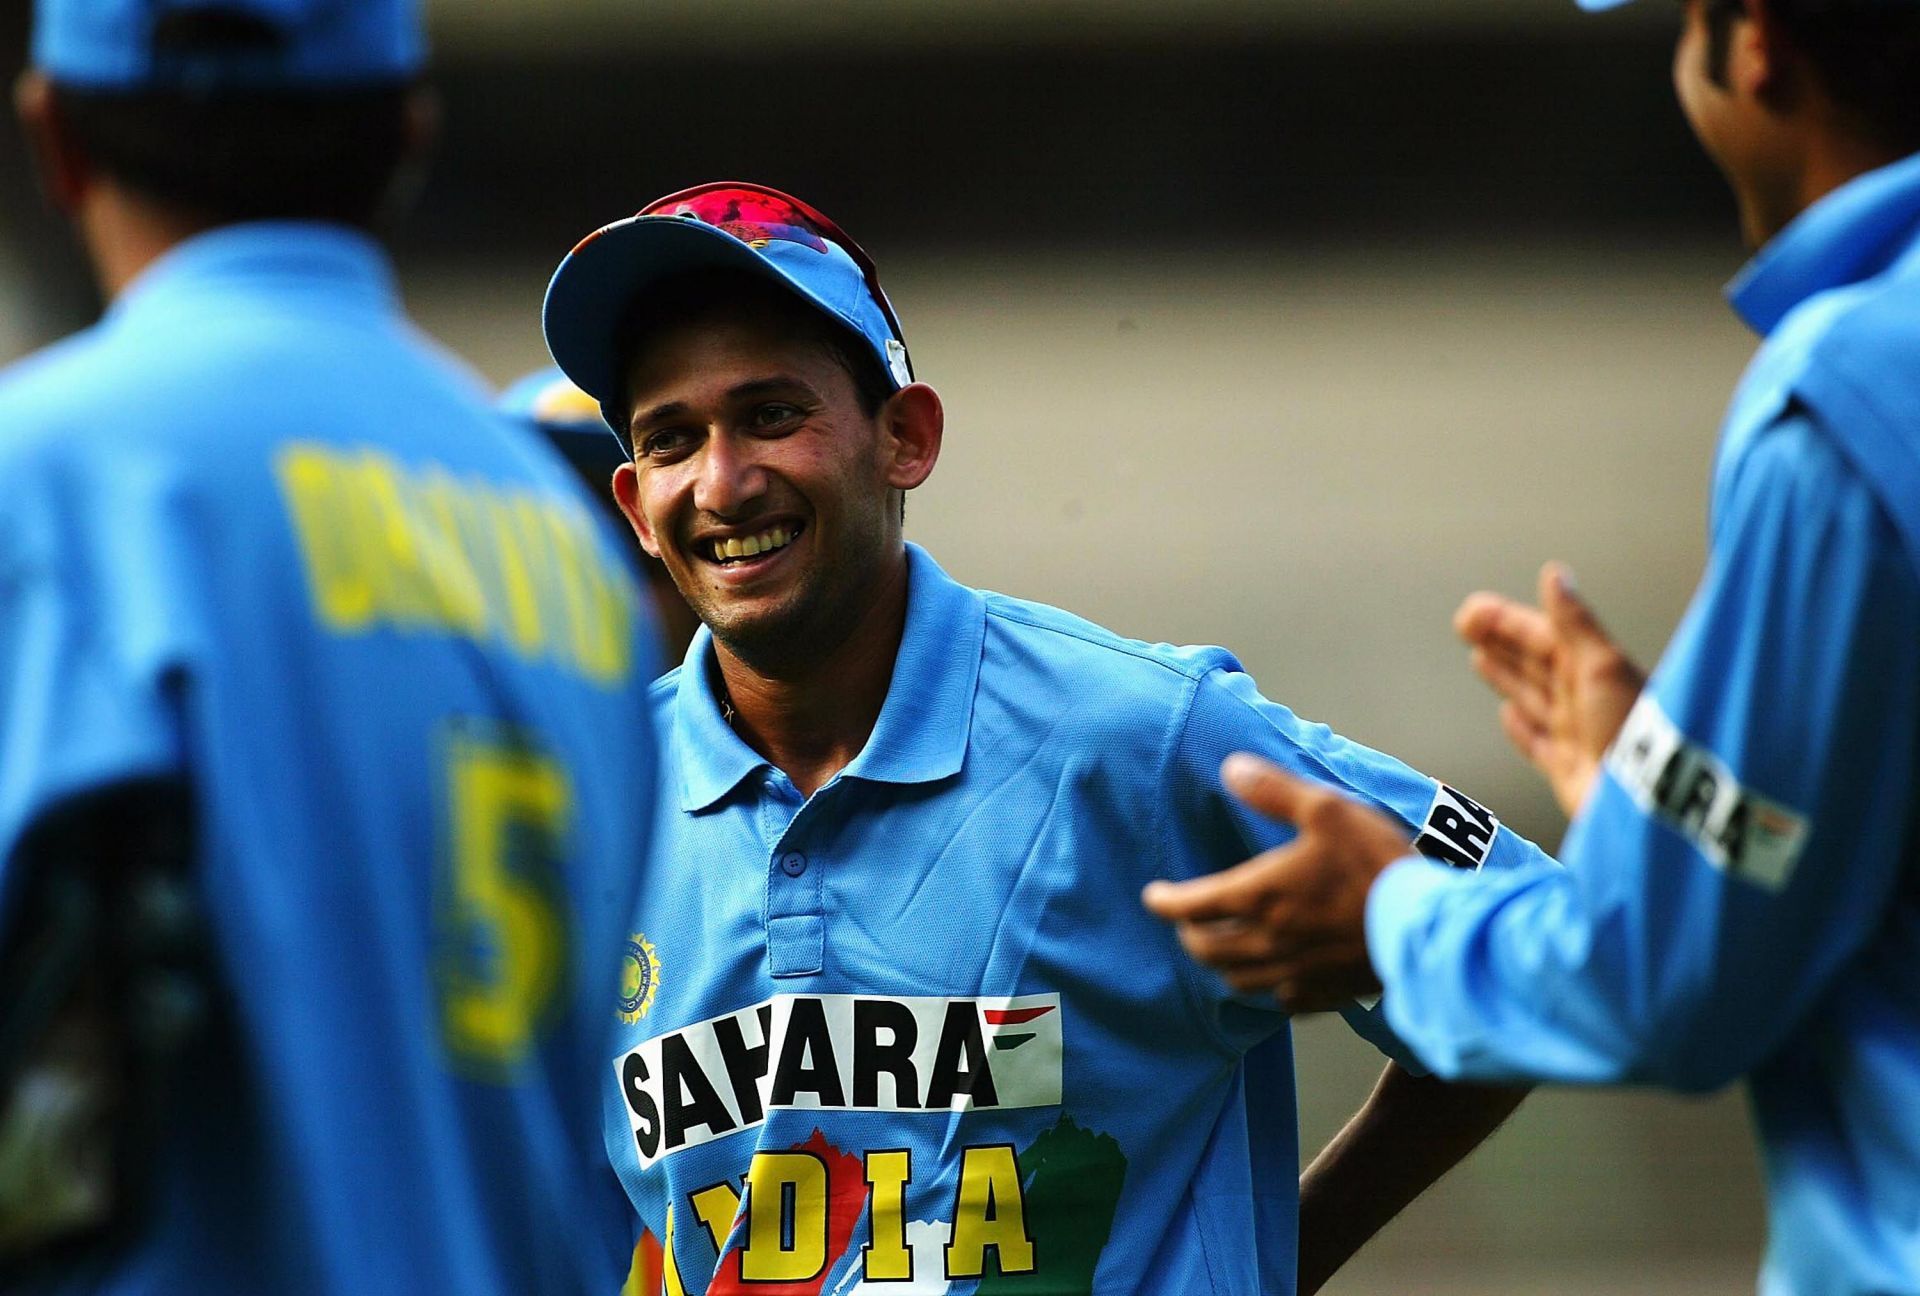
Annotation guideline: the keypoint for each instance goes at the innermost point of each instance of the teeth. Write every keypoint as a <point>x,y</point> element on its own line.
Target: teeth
<point>754,545</point>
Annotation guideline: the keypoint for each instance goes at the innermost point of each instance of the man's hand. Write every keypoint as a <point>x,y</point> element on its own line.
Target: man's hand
<point>1293,920</point>
<point>1566,684</point>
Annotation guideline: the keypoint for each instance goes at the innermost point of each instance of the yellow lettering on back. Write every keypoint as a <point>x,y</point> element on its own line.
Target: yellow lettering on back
<point>315,494</point>
<point>386,546</point>
<point>516,578</point>
<point>463,607</point>
<point>389,536</point>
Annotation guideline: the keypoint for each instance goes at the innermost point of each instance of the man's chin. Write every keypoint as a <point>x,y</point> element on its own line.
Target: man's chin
<point>753,630</point>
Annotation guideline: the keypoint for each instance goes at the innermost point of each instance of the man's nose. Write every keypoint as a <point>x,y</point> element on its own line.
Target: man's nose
<point>731,476</point>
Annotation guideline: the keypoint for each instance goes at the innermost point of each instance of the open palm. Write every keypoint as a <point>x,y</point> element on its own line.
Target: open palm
<point>1566,685</point>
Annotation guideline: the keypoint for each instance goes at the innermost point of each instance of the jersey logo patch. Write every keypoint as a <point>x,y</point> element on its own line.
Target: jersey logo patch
<point>1691,790</point>
<point>639,978</point>
<point>1459,831</point>
<point>839,1053</point>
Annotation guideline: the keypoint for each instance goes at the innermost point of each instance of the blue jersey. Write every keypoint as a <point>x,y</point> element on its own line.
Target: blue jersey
<point>917,1033</point>
<point>258,537</point>
<point>1742,893</point>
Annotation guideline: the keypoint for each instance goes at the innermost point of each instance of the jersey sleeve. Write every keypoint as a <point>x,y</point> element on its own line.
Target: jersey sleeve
<point>1215,830</point>
<point>76,713</point>
<point>1742,841</point>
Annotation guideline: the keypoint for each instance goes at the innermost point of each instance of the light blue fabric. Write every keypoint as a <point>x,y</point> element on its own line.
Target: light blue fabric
<point>1029,772</point>
<point>159,615</point>
<point>1685,944</point>
<point>108,45</point>
<point>597,284</point>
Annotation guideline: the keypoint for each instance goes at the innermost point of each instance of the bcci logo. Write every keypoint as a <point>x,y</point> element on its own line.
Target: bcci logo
<point>639,978</point>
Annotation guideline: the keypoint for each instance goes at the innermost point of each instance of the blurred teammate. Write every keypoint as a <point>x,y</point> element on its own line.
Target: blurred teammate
<point>887,976</point>
<point>323,754</point>
<point>571,420</point>
<point>1742,891</point>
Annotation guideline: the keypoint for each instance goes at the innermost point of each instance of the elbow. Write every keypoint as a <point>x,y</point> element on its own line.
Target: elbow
<point>1682,1067</point>
<point>1687,1044</point>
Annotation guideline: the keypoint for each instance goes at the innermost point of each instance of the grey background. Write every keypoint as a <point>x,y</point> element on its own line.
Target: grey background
<point>1276,325</point>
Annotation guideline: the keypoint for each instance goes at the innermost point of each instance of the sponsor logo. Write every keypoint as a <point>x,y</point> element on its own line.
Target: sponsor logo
<point>639,978</point>
<point>1458,830</point>
<point>839,1053</point>
<point>897,361</point>
<point>1688,788</point>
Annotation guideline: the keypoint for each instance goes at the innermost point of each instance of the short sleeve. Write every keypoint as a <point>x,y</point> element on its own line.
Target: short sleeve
<point>78,711</point>
<point>1215,830</point>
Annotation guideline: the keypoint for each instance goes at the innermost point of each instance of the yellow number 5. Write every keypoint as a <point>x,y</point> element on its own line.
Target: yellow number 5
<point>500,929</point>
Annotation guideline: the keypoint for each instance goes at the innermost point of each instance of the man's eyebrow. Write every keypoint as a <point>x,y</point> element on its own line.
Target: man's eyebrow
<point>752,387</point>
<point>672,409</point>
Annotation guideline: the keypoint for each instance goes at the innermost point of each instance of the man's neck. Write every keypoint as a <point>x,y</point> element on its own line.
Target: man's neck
<point>1829,156</point>
<point>810,722</point>
<point>126,233</point>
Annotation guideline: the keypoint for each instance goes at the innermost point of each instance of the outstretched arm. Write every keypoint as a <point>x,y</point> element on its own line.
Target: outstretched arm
<point>1412,1130</point>
<point>1736,852</point>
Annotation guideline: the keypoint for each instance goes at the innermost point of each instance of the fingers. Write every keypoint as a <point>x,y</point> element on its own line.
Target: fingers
<point>1568,613</point>
<point>1268,788</point>
<point>1226,943</point>
<point>1313,979</point>
<point>1500,624</point>
<point>1527,689</point>
<point>1235,893</point>
<point>1255,940</point>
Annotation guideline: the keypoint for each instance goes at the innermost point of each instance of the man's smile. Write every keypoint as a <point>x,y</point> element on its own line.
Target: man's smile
<point>750,548</point>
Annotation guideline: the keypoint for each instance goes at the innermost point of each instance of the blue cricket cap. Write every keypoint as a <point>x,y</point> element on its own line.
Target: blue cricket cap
<point>724,225</point>
<point>569,419</point>
<point>109,44</point>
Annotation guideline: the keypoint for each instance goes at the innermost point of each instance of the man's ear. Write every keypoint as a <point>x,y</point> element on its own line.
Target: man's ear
<point>913,421</point>
<point>63,170</point>
<point>1762,63</point>
<point>626,493</point>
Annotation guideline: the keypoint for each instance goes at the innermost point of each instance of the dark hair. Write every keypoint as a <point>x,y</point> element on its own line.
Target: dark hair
<point>224,155</point>
<point>1867,53</point>
<point>691,295</point>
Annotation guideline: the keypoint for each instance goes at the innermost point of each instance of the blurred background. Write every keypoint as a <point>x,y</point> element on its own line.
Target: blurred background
<point>1276,325</point>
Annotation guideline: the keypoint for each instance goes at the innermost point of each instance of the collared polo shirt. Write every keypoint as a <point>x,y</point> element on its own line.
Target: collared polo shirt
<point>1741,894</point>
<point>260,540</point>
<point>916,1032</point>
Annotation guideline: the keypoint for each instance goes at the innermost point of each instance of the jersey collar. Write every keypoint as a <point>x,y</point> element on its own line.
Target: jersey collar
<point>270,258</point>
<point>921,735</point>
<point>1852,234</point>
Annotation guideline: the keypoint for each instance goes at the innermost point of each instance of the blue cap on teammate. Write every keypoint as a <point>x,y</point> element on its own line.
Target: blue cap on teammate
<point>724,225</point>
<point>111,45</point>
<point>569,419</point>
<point>549,398</point>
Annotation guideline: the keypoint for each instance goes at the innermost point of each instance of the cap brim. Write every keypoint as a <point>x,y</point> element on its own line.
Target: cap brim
<point>597,284</point>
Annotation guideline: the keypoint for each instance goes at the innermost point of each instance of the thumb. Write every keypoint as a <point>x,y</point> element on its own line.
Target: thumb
<point>1572,618</point>
<point>1265,786</point>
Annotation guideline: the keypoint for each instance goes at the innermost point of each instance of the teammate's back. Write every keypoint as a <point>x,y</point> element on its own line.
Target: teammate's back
<point>263,546</point>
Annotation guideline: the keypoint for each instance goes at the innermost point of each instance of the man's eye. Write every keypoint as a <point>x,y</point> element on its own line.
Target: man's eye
<point>665,442</point>
<point>774,413</point>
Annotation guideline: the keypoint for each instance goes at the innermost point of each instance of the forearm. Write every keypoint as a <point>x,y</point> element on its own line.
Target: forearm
<point>1410,1131</point>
